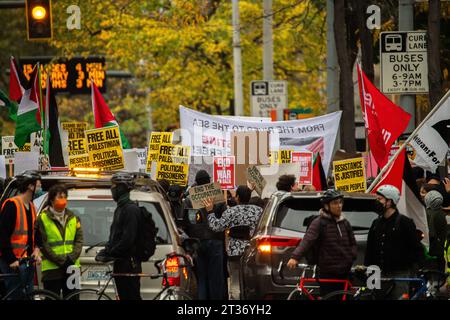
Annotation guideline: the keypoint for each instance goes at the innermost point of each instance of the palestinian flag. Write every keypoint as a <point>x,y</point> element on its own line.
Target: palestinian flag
<point>17,81</point>
<point>10,105</point>
<point>319,178</point>
<point>103,116</point>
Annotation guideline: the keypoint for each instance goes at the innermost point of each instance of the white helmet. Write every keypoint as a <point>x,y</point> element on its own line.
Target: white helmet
<point>389,192</point>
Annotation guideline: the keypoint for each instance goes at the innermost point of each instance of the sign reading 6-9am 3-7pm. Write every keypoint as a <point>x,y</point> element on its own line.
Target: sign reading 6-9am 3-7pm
<point>404,67</point>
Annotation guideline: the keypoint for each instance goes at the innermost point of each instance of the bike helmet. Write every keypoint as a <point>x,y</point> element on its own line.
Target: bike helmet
<point>389,192</point>
<point>123,178</point>
<point>26,178</point>
<point>330,195</point>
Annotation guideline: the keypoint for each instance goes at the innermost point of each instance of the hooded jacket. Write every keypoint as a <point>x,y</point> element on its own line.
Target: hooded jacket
<point>337,249</point>
<point>437,223</point>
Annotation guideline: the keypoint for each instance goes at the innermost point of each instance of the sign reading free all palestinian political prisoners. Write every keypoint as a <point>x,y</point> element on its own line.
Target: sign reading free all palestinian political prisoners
<point>173,164</point>
<point>203,192</point>
<point>105,148</point>
<point>349,175</point>
<point>156,139</point>
<point>210,135</point>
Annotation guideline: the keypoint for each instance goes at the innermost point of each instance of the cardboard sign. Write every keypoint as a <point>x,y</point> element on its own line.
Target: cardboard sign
<point>349,175</point>
<point>105,148</point>
<point>305,159</point>
<point>173,164</point>
<point>224,172</point>
<point>249,148</point>
<point>8,149</point>
<point>206,191</point>
<point>156,139</point>
<point>253,175</point>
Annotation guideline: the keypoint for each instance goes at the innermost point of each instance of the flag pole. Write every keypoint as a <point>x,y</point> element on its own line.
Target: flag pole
<point>411,136</point>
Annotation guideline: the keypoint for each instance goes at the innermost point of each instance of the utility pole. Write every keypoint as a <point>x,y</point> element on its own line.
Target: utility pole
<point>267,41</point>
<point>406,23</point>
<point>332,68</point>
<point>238,95</point>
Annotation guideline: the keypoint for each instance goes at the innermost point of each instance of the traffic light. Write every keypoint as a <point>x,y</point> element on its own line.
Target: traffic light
<point>39,19</point>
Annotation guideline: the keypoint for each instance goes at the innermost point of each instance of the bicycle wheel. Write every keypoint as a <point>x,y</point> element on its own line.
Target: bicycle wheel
<point>297,295</point>
<point>175,294</point>
<point>87,294</point>
<point>42,294</point>
<point>338,295</point>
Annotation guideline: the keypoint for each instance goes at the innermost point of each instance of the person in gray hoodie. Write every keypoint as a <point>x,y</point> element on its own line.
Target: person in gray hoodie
<point>437,229</point>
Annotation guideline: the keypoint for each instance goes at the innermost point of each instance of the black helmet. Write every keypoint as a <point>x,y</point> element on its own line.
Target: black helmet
<point>123,178</point>
<point>26,178</point>
<point>331,195</point>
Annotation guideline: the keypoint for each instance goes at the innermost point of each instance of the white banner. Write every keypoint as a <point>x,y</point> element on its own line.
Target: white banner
<point>209,135</point>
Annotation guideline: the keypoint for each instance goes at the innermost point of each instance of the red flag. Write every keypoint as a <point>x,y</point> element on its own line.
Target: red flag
<point>16,89</point>
<point>394,175</point>
<point>384,120</point>
<point>102,114</point>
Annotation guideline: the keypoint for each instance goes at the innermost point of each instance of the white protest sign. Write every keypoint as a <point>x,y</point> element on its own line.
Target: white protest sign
<point>8,149</point>
<point>142,156</point>
<point>2,167</point>
<point>210,135</point>
<point>131,160</point>
<point>26,161</point>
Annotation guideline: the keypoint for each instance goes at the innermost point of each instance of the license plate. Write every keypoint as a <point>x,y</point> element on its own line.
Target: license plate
<point>96,274</point>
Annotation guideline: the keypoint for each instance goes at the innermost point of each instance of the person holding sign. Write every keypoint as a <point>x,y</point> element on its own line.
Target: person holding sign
<point>241,215</point>
<point>210,269</point>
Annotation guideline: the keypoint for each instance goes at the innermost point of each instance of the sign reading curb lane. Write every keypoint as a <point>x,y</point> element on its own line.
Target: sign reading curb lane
<point>404,67</point>
<point>105,148</point>
<point>268,95</point>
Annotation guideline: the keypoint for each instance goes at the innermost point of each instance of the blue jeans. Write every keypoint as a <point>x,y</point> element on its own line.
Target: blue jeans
<point>25,280</point>
<point>210,270</point>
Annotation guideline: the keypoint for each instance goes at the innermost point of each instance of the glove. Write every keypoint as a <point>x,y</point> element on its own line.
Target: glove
<point>103,256</point>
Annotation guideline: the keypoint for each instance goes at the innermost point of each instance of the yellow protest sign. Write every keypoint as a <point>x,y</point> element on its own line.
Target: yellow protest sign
<point>79,161</point>
<point>156,139</point>
<point>281,156</point>
<point>173,163</point>
<point>349,175</point>
<point>25,148</point>
<point>76,137</point>
<point>105,148</point>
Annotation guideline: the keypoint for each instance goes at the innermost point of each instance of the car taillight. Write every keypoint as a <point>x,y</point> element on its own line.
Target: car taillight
<point>265,244</point>
<point>173,271</point>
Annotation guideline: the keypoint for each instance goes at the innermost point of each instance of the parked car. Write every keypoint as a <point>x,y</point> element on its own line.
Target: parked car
<point>281,228</point>
<point>90,198</point>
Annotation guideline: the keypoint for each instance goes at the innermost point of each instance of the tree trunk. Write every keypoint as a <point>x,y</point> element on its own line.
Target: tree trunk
<point>346,102</point>
<point>434,65</point>
<point>366,40</point>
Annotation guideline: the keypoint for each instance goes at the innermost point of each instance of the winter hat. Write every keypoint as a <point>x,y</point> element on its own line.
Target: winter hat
<point>202,177</point>
<point>434,200</point>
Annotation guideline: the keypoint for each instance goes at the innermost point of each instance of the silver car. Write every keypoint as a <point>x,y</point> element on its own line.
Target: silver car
<point>91,200</point>
<point>281,228</point>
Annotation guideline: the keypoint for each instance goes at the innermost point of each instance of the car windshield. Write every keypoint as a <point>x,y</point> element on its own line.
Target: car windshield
<point>97,215</point>
<point>291,214</point>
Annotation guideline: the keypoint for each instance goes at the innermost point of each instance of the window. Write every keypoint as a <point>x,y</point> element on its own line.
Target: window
<point>97,215</point>
<point>291,214</point>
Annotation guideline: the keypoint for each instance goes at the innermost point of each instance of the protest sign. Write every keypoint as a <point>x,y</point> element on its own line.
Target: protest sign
<point>203,192</point>
<point>26,161</point>
<point>8,149</point>
<point>105,148</point>
<point>156,139</point>
<point>2,167</point>
<point>131,160</point>
<point>281,156</point>
<point>254,176</point>
<point>73,139</point>
<point>37,142</point>
<point>79,161</point>
<point>349,175</point>
<point>25,148</point>
<point>211,135</point>
<point>173,164</point>
<point>142,156</point>
<point>224,172</point>
<point>305,159</point>
<point>200,163</point>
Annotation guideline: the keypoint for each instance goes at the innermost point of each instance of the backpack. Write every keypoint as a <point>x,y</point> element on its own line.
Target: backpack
<point>146,244</point>
<point>312,255</point>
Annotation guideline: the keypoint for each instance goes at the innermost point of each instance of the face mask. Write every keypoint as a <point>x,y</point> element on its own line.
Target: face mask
<point>37,193</point>
<point>379,207</point>
<point>60,204</point>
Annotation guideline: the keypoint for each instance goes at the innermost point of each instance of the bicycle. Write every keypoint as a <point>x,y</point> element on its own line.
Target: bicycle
<point>304,292</point>
<point>425,290</point>
<point>33,294</point>
<point>168,292</point>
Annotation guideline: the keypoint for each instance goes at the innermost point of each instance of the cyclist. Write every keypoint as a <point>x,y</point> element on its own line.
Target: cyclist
<point>331,238</point>
<point>123,236</point>
<point>17,219</point>
<point>392,243</point>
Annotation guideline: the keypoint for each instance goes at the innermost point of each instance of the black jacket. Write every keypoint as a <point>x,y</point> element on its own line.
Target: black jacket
<point>197,226</point>
<point>124,231</point>
<point>393,249</point>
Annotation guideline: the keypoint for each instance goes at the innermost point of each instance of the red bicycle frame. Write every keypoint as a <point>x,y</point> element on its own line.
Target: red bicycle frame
<point>301,285</point>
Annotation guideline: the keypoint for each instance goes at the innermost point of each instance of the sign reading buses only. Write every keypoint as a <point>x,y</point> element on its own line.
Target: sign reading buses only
<point>404,67</point>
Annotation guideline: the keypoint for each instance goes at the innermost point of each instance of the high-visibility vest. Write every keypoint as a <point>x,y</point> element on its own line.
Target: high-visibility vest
<point>447,257</point>
<point>55,240</point>
<point>19,238</point>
